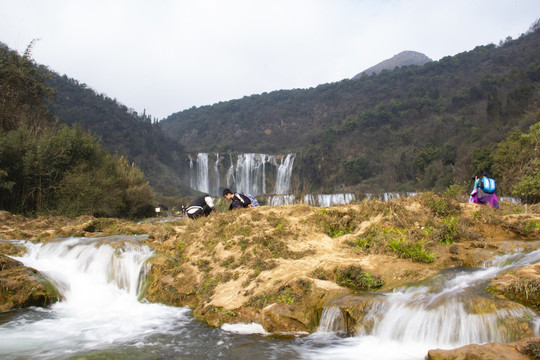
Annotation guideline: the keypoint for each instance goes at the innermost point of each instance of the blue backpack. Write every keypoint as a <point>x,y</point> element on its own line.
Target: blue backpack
<point>488,185</point>
<point>251,198</point>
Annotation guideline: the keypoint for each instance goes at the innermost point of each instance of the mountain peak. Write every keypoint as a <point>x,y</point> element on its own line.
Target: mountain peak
<point>404,58</point>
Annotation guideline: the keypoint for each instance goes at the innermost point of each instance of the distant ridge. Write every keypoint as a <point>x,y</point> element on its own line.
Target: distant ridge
<point>404,58</point>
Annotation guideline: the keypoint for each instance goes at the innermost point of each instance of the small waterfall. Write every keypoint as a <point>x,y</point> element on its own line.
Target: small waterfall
<point>116,261</point>
<point>280,200</point>
<point>332,320</point>
<point>387,196</point>
<point>100,280</point>
<point>335,199</point>
<point>450,310</point>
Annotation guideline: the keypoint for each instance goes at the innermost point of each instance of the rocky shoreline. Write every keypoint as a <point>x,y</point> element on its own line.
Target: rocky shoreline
<point>280,266</point>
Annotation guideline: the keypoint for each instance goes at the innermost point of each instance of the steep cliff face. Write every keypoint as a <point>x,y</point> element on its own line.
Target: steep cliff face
<point>404,58</point>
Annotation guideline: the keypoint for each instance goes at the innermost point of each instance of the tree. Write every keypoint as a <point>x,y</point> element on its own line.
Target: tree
<point>517,164</point>
<point>22,85</point>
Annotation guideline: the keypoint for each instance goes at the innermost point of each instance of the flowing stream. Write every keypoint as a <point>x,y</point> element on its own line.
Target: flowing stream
<point>100,315</point>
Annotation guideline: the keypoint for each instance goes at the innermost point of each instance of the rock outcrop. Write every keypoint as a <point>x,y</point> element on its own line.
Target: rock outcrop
<point>404,58</point>
<point>521,285</point>
<point>21,286</point>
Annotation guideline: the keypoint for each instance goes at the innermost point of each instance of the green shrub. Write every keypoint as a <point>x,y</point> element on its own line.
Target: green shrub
<point>414,250</point>
<point>336,223</point>
<point>319,273</point>
<point>355,278</point>
<point>441,206</point>
<point>448,232</point>
<point>456,191</point>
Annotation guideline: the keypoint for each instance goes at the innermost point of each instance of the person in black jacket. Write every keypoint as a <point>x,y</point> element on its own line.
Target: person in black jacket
<point>201,206</point>
<point>237,200</point>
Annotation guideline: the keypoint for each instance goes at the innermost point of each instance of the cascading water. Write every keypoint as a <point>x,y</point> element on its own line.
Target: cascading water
<point>100,316</point>
<point>191,177</point>
<point>283,182</point>
<point>99,280</point>
<point>216,176</point>
<point>450,312</point>
<point>249,173</point>
<point>203,181</point>
<point>261,174</point>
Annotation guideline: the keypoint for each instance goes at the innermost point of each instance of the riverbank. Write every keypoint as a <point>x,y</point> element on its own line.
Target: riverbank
<point>279,266</point>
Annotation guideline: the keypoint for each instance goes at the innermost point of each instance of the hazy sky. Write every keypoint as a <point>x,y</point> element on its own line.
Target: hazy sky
<point>165,55</point>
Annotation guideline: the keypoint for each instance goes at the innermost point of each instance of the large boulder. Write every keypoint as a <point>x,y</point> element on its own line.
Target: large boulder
<point>21,286</point>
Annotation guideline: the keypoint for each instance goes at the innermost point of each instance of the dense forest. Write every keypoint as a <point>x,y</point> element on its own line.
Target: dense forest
<point>410,129</point>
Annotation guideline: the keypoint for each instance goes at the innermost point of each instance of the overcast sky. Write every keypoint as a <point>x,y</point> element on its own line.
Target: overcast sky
<point>169,55</point>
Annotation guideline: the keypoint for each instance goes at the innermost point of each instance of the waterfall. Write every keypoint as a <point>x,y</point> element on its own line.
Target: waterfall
<point>203,184</point>
<point>114,261</point>
<point>332,320</point>
<point>215,188</point>
<point>230,179</point>
<point>191,174</point>
<point>387,196</point>
<point>447,311</point>
<point>280,200</point>
<point>250,173</point>
<point>99,280</point>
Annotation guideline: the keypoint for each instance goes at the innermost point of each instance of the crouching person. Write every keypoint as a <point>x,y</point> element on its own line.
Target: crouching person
<point>201,206</point>
<point>238,200</point>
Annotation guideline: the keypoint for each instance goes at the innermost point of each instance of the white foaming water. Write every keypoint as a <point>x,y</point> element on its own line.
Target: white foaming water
<point>283,182</point>
<point>410,321</point>
<point>243,328</point>
<point>332,320</point>
<point>99,283</point>
<point>280,200</point>
<point>203,181</point>
<point>333,199</point>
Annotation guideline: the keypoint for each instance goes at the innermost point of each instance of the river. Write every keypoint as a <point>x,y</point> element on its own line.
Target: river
<point>101,317</point>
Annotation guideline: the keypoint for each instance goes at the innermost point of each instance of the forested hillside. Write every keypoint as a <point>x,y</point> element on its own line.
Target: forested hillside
<point>414,128</point>
<point>122,131</point>
<point>52,168</point>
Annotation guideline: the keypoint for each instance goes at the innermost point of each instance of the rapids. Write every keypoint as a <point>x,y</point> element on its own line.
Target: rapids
<point>101,316</point>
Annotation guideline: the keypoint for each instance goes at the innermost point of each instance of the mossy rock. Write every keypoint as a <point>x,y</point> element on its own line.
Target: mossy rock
<point>21,286</point>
